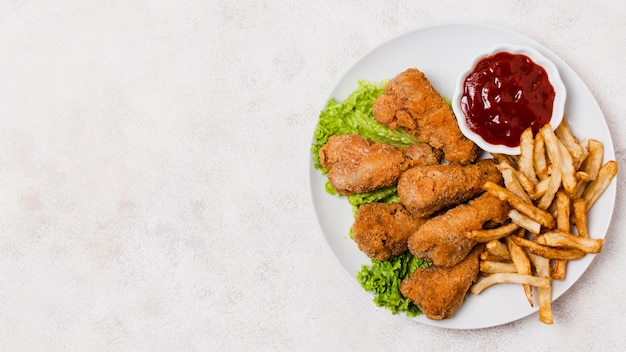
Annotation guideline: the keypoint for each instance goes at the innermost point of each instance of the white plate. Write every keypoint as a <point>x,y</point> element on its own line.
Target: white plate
<point>441,52</point>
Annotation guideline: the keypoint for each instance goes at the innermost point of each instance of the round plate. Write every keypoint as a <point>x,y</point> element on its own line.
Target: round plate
<point>441,52</point>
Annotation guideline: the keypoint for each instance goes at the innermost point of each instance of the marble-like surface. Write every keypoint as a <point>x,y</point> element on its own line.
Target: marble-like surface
<point>154,175</point>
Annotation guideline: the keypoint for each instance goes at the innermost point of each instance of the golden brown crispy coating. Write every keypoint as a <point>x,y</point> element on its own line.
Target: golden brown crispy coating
<point>439,291</point>
<point>421,154</point>
<point>424,190</point>
<point>442,241</point>
<point>357,165</point>
<point>411,102</point>
<point>382,230</point>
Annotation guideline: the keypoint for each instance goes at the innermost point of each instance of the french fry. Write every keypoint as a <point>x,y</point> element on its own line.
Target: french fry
<point>562,223</point>
<point>541,264</point>
<point>490,257</point>
<point>552,147</point>
<point>595,189</point>
<point>584,146</point>
<point>527,184</point>
<point>526,159</point>
<point>545,304</point>
<point>580,214</point>
<point>539,157</point>
<point>568,172</point>
<point>544,294</point>
<point>525,222</point>
<point>591,165</point>
<point>492,234</point>
<point>498,249</point>
<point>540,189</point>
<point>512,182</point>
<point>562,211</point>
<point>582,176</point>
<point>509,278</point>
<point>509,159</point>
<point>559,269</point>
<point>528,209</point>
<point>594,159</point>
<point>491,267</point>
<point>569,141</point>
<point>583,180</point>
<point>580,189</point>
<point>563,239</point>
<point>522,266</point>
<point>547,251</point>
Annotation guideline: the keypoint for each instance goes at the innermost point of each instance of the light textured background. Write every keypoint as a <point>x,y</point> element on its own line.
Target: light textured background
<point>154,175</point>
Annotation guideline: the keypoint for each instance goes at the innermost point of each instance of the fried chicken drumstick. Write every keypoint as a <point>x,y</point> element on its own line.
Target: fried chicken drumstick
<point>357,165</point>
<point>439,291</point>
<point>411,102</point>
<point>424,190</point>
<point>382,230</point>
<point>442,241</point>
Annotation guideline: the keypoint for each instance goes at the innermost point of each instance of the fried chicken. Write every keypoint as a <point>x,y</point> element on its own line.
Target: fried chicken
<point>424,190</point>
<point>382,230</point>
<point>442,241</point>
<point>422,154</point>
<point>357,165</point>
<point>439,291</point>
<point>411,102</point>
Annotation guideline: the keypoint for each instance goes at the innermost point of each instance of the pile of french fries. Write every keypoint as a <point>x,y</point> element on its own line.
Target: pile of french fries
<point>549,187</point>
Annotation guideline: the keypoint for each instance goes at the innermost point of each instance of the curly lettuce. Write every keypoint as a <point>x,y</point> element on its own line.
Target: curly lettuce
<point>386,195</point>
<point>383,278</point>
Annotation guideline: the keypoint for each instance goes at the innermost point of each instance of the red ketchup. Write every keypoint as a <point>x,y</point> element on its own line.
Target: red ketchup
<point>504,95</point>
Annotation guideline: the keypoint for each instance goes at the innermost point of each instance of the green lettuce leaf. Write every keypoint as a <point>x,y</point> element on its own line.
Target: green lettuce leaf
<point>387,195</point>
<point>383,278</point>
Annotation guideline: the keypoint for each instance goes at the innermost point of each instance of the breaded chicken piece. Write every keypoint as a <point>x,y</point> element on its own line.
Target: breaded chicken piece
<point>442,241</point>
<point>421,154</point>
<point>411,102</point>
<point>382,230</point>
<point>424,190</point>
<point>357,165</point>
<point>439,291</point>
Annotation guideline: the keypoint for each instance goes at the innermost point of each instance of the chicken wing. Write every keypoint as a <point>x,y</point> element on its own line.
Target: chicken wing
<point>424,190</point>
<point>439,291</point>
<point>411,102</point>
<point>382,230</point>
<point>442,241</point>
<point>357,165</point>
